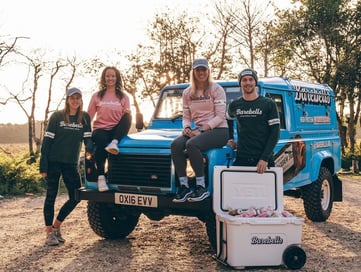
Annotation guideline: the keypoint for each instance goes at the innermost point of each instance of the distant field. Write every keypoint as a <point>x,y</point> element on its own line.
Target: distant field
<point>15,133</point>
<point>18,133</point>
<point>13,148</point>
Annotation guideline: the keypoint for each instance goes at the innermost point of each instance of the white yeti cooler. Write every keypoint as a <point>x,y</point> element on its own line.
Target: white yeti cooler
<point>254,241</point>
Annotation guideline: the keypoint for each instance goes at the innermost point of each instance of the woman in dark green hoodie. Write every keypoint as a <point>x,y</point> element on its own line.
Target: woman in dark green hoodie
<point>66,131</point>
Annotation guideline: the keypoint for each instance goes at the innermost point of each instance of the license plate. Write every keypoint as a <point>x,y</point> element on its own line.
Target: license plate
<point>136,200</point>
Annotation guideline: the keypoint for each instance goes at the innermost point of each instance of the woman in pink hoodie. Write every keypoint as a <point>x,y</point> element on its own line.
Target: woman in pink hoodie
<point>113,119</point>
<point>204,104</point>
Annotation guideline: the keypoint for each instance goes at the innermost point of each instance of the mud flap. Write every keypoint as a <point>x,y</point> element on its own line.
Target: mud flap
<point>337,188</point>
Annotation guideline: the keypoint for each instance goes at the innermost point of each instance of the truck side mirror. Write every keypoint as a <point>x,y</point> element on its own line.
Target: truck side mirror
<point>139,125</point>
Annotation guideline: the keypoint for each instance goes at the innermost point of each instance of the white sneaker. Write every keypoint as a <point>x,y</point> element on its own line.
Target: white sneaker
<point>112,148</point>
<point>102,184</point>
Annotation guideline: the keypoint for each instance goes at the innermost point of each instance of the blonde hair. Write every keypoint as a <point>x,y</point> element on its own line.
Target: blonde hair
<point>194,85</point>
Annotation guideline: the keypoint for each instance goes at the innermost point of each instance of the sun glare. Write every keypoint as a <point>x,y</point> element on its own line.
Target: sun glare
<point>82,28</point>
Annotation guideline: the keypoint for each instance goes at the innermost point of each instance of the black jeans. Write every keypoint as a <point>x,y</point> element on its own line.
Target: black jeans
<point>195,146</point>
<point>71,178</point>
<point>102,138</point>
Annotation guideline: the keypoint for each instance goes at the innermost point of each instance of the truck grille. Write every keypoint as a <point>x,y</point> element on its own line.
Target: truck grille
<point>140,170</point>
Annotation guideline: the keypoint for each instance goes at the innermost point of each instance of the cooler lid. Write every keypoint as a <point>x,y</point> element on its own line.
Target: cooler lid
<point>239,187</point>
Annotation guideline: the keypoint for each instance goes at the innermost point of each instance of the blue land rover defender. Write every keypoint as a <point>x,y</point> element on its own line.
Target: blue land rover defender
<point>142,179</point>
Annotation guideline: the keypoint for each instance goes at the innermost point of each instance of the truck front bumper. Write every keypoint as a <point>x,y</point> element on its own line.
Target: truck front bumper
<point>164,202</point>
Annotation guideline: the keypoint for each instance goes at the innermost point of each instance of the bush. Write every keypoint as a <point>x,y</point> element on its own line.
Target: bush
<point>18,177</point>
<point>348,157</point>
<point>346,163</point>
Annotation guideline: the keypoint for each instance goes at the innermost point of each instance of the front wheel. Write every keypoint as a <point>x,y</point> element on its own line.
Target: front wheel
<point>318,197</point>
<point>111,221</point>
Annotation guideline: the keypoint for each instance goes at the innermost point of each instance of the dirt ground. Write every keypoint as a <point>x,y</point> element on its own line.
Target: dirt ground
<point>173,244</point>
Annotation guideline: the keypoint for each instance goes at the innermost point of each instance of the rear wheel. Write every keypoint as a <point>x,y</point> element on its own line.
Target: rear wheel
<point>318,197</point>
<point>111,221</point>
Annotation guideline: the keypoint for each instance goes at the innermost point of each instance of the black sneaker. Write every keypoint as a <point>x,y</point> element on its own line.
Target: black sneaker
<point>182,194</point>
<point>198,194</point>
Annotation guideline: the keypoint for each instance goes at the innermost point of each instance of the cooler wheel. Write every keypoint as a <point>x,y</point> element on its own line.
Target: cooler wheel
<point>294,257</point>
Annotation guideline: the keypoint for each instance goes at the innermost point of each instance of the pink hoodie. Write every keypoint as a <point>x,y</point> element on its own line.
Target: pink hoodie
<point>205,110</point>
<point>109,110</point>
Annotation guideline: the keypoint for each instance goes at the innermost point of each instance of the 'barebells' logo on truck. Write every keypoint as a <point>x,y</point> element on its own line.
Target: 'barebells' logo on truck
<point>312,112</point>
<point>314,96</point>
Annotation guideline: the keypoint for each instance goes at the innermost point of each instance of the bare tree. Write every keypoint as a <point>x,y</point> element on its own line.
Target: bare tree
<point>166,60</point>
<point>176,39</point>
<point>247,17</point>
<point>38,69</point>
<point>140,74</point>
<point>224,27</point>
<point>35,72</point>
<point>59,64</point>
<point>8,48</point>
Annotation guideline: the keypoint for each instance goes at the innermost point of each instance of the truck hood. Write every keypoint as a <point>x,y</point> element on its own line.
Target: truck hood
<point>150,138</point>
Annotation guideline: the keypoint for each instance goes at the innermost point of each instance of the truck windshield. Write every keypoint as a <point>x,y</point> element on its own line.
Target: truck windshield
<point>170,104</point>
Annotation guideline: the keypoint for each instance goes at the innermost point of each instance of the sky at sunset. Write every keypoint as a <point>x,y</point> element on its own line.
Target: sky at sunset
<point>83,28</point>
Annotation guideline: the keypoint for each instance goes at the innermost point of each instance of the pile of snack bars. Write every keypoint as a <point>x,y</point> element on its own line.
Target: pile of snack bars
<point>259,212</point>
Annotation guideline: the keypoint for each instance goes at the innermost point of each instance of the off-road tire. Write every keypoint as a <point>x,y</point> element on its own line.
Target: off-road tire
<point>111,221</point>
<point>318,197</point>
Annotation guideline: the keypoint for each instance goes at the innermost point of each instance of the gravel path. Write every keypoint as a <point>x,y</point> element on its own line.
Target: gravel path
<point>175,243</point>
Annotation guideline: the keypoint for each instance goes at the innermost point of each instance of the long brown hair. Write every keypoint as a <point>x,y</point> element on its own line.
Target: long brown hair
<point>79,112</point>
<point>118,84</point>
